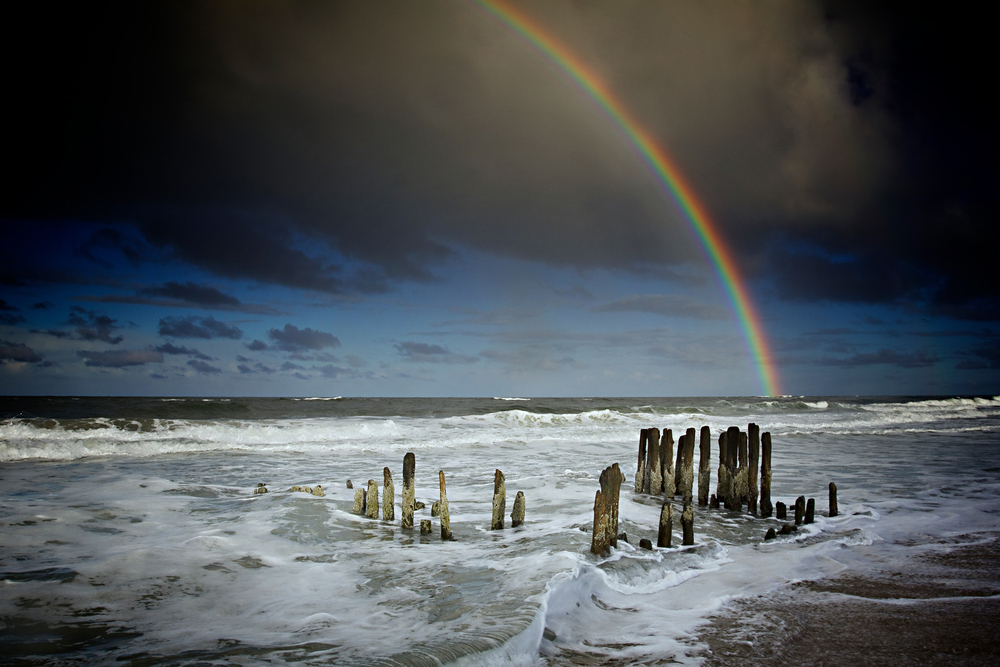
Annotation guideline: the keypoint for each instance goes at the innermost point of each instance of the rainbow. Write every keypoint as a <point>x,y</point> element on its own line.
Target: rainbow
<point>680,191</point>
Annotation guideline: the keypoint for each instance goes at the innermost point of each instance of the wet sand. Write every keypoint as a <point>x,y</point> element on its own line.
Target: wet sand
<point>930,609</point>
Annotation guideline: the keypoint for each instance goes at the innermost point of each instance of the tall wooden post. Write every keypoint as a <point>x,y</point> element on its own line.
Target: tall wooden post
<point>600,544</point>
<point>517,514</point>
<point>833,499</point>
<point>371,500</point>
<point>653,462</point>
<point>765,475</point>
<point>810,510</point>
<point>687,473</point>
<point>687,524</point>
<point>722,481</point>
<point>443,509</point>
<point>800,510</point>
<point>733,440</point>
<point>409,465</point>
<point>499,500</point>
<point>667,463</point>
<point>704,465</point>
<point>640,467</point>
<point>611,481</point>
<point>753,442</point>
<point>388,496</point>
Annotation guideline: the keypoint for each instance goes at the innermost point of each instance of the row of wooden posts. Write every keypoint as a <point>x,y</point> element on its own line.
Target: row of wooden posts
<point>659,472</point>
<point>366,501</point>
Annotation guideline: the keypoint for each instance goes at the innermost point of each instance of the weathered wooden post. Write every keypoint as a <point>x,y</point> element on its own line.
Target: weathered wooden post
<point>443,509</point>
<point>742,490</point>
<point>722,481</point>
<point>687,524</point>
<point>499,500</point>
<point>653,462</point>
<point>517,514</point>
<point>833,499</point>
<point>359,501</point>
<point>666,524</point>
<point>425,526</point>
<point>765,475</point>
<point>371,501</point>
<point>600,543</point>
<point>704,465</point>
<point>409,465</point>
<point>780,511</point>
<point>388,496</point>
<point>640,467</point>
<point>611,481</point>
<point>810,510</point>
<point>733,440</point>
<point>667,463</point>
<point>753,441</point>
<point>687,460</point>
<point>800,510</point>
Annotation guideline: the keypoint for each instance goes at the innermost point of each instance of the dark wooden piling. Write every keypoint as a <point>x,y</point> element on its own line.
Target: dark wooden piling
<point>687,524</point>
<point>425,526</point>
<point>687,462</point>
<point>810,510</point>
<point>765,475</point>
<point>704,465</point>
<point>499,500</point>
<point>640,467</point>
<point>666,525</point>
<point>741,490</point>
<point>780,511</point>
<point>443,509</point>
<point>678,465</point>
<point>644,543</point>
<point>753,446</point>
<point>517,514</point>
<point>800,510</point>
<point>833,499</point>
<point>713,502</point>
<point>359,501</point>
<point>388,496</point>
<point>409,467</point>
<point>653,462</point>
<point>733,440</point>
<point>600,542</point>
<point>350,484</point>
<point>611,481</point>
<point>722,477</point>
<point>667,463</point>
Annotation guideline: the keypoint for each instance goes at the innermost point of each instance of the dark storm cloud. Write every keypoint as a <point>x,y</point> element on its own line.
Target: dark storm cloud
<point>425,352</point>
<point>346,146</point>
<point>18,352</point>
<point>198,327</point>
<point>916,359</point>
<point>256,345</point>
<point>120,358</point>
<point>293,339</point>
<point>186,295</point>
<point>670,305</point>
<point>93,326</point>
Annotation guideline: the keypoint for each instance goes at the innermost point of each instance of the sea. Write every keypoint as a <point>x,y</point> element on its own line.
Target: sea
<point>131,533</point>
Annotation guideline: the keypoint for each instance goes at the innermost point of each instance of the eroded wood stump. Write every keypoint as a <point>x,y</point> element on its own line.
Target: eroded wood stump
<point>371,500</point>
<point>666,525</point>
<point>753,448</point>
<point>499,500</point>
<point>833,499</point>
<point>704,465</point>
<point>409,504</point>
<point>388,496</point>
<point>765,475</point>
<point>443,509</point>
<point>667,463</point>
<point>687,525</point>
<point>517,514</point>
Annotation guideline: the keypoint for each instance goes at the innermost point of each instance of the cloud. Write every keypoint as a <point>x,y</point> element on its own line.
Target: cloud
<point>203,368</point>
<point>93,326</point>
<point>10,319</point>
<point>186,295</point>
<point>292,339</point>
<point>120,358</point>
<point>197,327</point>
<point>427,353</point>
<point>670,305</point>
<point>918,359</point>
<point>170,348</point>
<point>18,352</point>
<point>256,345</point>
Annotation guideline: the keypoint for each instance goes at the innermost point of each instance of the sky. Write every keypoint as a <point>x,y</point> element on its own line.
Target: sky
<point>390,198</point>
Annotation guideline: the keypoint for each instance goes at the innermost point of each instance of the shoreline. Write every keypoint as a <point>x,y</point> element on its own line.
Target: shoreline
<point>933,608</point>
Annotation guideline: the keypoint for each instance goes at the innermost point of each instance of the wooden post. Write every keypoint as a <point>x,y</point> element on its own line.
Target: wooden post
<point>687,524</point>
<point>733,440</point>
<point>667,463</point>
<point>517,514</point>
<point>753,441</point>
<point>780,511</point>
<point>742,485</point>
<point>800,510</point>
<point>359,501</point>
<point>722,478</point>
<point>388,496</point>
<point>443,509</point>
<point>704,465</point>
<point>600,545</point>
<point>810,510</point>
<point>371,501</point>
<point>499,500</point>
<point>409,465</point>
<point>666,524</point>
<point>425,526</point>
<point>687,473</point>
<point>611,481</point>
<point>640,467</point>
<point>653,462</point>
<point>765,475</point>
<point>833,499</point>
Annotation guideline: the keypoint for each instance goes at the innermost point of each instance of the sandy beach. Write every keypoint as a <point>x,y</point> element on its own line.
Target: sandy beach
<point>936,607</point>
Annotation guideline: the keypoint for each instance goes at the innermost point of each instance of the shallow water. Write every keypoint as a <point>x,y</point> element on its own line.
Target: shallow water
<point>129,529</point>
